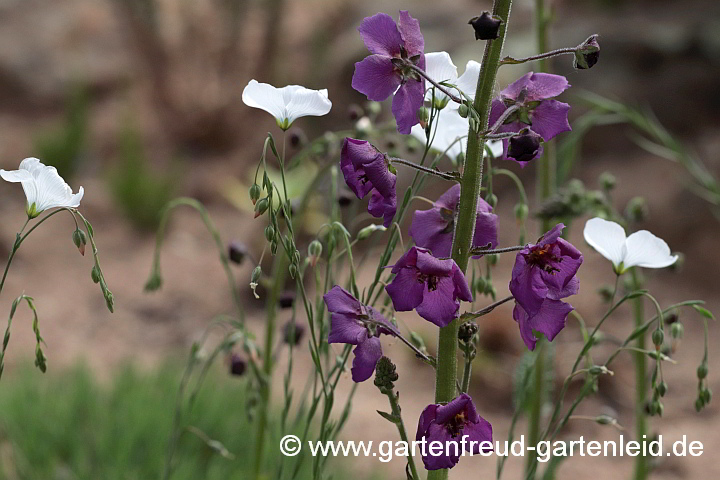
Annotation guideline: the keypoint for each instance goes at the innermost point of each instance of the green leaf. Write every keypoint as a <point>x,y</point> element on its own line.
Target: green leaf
<point>704,312</point>
<point>389,417</point>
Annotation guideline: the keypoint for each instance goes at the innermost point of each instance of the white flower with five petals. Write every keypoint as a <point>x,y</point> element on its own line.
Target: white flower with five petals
<point>640,249</point>
<point>44,188</point>
<point>286,104</point>
<point>440,67</point>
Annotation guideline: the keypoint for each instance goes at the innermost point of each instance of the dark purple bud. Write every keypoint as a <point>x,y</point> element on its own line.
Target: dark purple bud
<point>486,26</point>
<point>237,251</point>
<point>587,53</point>
<point>293,333</point>
<point>237,365</point>
<point>344,199</point>
<point>355,111</point>
<point>525,146</point>
<point>297,138</point>
<point>286,299</point>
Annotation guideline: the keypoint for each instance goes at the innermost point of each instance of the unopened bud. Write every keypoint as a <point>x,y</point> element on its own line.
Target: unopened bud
<point>369,230</point>
<point>599,370</point>
<point>293,333</point>
<point>237,251</point>
<point>486,26</point>
<point>587,53</point>
<point>662,389</point>
<point>355,112</point>
<point>677,330</point>
<point>658,337</point>
<point>237,365</point>
<point>79,239</point>
<point>637,209</point>
<point>269,233</point>
<point>423,116</point>
<point>521,212</point>
<point>385,375</point>
<point>702,371</point>
<point>95,274</point>
<point>463,111</point>
<point>261,206</point>
<point>467,331</point>
<point>286,299</point>
<point>314,251</point>
<point>254,279</point>
<point>255,192</point>
<point>492,200</point>
<point>344,199</point>
<point>524,146</point>
<point>706,395</point>
<point>607,181</point>
<point>297,138</point>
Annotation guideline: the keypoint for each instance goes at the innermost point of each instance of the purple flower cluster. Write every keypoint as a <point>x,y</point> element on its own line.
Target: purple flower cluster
<point>386,71</point>
<point>457,426</point>
<point>537,110</point>
<point>366,170</point>
<point>433,229</point>
<point>544,274</point>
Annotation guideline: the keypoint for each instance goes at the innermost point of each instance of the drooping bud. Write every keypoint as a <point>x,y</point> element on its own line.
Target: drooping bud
<point>677,330</point>
<point>261,206</point>
<point>314,252</point>
<point>293,333</point>
<point>297,138</point>
<point>80,240</point>
<point>385,375</point>
<point>521,212</point>
<point>607,181</point>
<point>637,209</point>
<point>587,53</point>
<point>255,192</point>
<point>662,388</point>
<point>286,299</point>
<point>492,200</point>
<point>658,337</point>
<point>95,274</point>
<point>423,116</point>
<point>237,251</point>
<point>702,371</point>
<point>369,230</point>
<point>344,199</point>
<point>355,111</point>
<point>237,365</point>
<point>486,26</point>
<point>525,146</point>
<point>463,111</point>
<point>269,233</point>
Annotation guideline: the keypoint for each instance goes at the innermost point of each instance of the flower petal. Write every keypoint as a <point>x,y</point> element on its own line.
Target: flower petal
<point>537,86</point>
<point>439,305</point>
<point>428,230</point>
<point>410,32</point>
<point>467,82</point>
<point>450,133</point>
<point>405,291</point>
<point>439,67</point>
<point>306,102</point>
<point>406,102</point>
<point>367,355</point>
<point>607,237</point>
<point>550,118</point>
<point>648,251</point>
<point>381,35</point>
<point>346,329</point>
<point>375,77</point>
<point>381,206</point>
<point>339,300</point>
<point>265,97</point>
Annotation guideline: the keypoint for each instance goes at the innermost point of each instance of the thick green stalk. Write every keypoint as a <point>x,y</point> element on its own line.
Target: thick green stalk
<point>446,372</point>
<point>641,465</point>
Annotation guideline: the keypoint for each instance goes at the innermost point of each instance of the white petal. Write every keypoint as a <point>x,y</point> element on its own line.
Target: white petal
<point>608,238</point>
<point>439,67</point>
<point>43,186</point>
<point>305,102</point>
<point>496,148</point>
<point>15,176</point>
<point>451,134</point>
<point>468,80</point>
<point>265,97</point>
<point>646,250</point>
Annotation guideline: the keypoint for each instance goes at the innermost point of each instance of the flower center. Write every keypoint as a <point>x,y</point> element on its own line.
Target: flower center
<point>449,216</point>
<point>544,258</point>
<point>431,280</point>
<point>456,425</point>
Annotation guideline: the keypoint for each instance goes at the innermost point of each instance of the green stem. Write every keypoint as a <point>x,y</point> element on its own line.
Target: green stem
<point>538,399</point>
<point>395,406</point>
<point>446,372</point>
<point>641,465</point>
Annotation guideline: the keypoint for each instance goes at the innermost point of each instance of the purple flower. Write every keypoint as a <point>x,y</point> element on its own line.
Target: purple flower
<point>431,286</point>
<point>458,427</point>
<point>433,229</point>
<point>543,275</point>
<point>367,170</point>
<point>386,71</point>
<point>353,323</point>
<point>533,93</point>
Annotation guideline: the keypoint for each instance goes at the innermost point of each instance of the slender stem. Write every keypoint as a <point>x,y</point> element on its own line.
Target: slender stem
<point>483,251</point>
<point>467,371</point>
<point>639,357</point>
<point>466,317</point>
<point>395,406</point>
<point>431,171</point>
<point>446,373</point>
<point>541,56</point>
<point>499,122</point>
<point>422,73</point>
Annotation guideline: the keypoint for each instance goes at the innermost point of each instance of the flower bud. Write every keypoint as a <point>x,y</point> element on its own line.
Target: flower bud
<point>599,370</point>
<point>286,299</point>
<point>605,420</point>
<point>355,111</point>
<point>269,233</point>
<point>662,389</point>
<point>254,279</point>
<point>293,333</point>
<point>658,337</point>
<point>369,230</point>
<point>677,330</point>
<point>492,259</point>
<point>463,111</point>
<point>607,181</point>
<point>637,209</point>
<point>385,375</point>
<point>699,404</point>
<point>587,53</point>
<point>95,274</point>
<point>486,26</point>
<point>344,199</point>
<point>255,192</point>
<point>237,365</point>
<point>480,284</point>
<point>521,212</point>
<point>79,239</point>
<point>292,269</point>
<point>261,206</point>
<point>525,146</point>
<point>702,371</point>
<point>314,251</point>
<point>605,292</point>
<point>423,116</point>
<point>237,251</point>
<point>492,200</point>
<point>373,108</point>
<point>297,138</point>
<point>706,395</point>
<point>467,331</point>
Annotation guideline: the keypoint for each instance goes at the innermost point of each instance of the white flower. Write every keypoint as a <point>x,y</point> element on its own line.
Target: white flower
<point>640,249</point>
<point>44,188</point>
<point>286,104</point>
<point>439,67</point>
<point>451,134</point>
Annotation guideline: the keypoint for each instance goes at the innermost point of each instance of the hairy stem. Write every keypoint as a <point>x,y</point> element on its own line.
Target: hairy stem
<point>641,466</point>
<point>446,372</point>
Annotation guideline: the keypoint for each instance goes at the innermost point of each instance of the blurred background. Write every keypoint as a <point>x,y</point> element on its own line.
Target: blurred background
<point>139,101</point>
